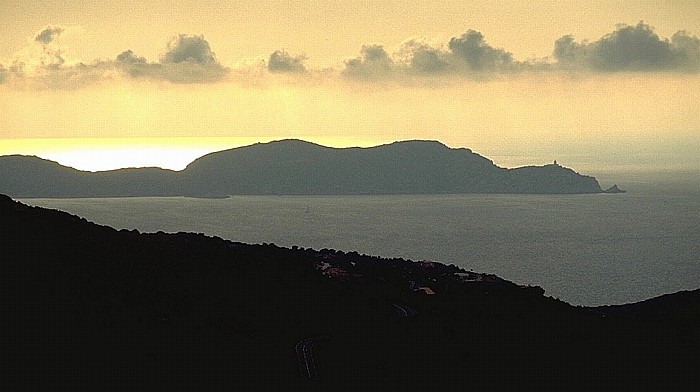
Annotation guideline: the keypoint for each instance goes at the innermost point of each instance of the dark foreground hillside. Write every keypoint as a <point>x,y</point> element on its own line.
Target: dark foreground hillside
<point>87,305</point>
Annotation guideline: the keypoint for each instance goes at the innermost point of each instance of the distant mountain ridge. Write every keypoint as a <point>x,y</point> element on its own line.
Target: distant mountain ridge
<point>296,167</point>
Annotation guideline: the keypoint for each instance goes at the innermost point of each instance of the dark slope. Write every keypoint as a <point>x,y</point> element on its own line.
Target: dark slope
<point>681,309</point>
<point>89,305</point>
<point>299,168</point>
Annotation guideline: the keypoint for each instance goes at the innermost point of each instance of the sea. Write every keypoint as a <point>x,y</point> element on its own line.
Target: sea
<point>587,250</point>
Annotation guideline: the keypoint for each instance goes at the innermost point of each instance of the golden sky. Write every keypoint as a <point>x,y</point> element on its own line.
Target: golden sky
<point>100,85</point>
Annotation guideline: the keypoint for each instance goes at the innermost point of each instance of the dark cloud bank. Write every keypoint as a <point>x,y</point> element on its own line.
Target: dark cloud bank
<point>628,48</point>
<point>190,59</point>
<point>468,53</point>
<point>187,59</point>
<point>631,48</point>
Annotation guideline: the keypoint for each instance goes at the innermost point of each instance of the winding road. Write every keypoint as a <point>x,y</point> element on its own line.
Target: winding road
<point>305,356</point>
<point>404,311</point>
<point>304,348</point>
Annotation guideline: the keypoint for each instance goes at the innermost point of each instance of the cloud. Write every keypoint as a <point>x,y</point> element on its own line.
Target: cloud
<point>185,73</point>
<point>468,55</point>
<point>630,48</point>
<point>128,57</point>
<point>373,62</point>
<point>688,49</point>
<point>472,51</point>
<point>281,61</point>
<point>47,35</point>
<point>49,53</point>
<point>189,48</point>
<point>43,65</point>
<point>133,65</point>
<point>188,59</point>
<point>567,51</point>
<point>419,56</point>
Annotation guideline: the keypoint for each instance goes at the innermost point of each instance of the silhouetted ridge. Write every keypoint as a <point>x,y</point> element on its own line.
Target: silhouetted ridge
<point>29,176</point>
<point>296,167</point>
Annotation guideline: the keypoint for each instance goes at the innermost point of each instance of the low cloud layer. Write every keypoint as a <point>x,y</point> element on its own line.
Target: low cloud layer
<point>190,59</point>
<point>467,54</point>
<point>187,59</point>
<point>628,48</point>
<point>631,48</point>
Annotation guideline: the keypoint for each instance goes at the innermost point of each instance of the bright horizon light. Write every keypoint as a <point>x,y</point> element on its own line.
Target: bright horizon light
<point>611,86</point>
<point>100,154</point>
<point>175,153</point>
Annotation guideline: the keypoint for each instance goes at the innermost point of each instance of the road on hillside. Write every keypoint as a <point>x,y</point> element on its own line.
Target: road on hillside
<point>305,356</point>
<point>404,311</point>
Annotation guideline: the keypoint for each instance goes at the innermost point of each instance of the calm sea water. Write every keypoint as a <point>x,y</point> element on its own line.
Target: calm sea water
<point>584,249</point>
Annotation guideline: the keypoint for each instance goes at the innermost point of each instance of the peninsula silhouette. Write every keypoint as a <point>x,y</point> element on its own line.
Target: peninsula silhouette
<point>295,167</point>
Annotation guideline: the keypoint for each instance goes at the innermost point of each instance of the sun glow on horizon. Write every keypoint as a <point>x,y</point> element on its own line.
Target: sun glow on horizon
<point>174,153</point>
<point>612,86</point>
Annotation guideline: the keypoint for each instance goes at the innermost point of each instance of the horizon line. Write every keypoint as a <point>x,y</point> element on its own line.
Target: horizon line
<point>175,153</point>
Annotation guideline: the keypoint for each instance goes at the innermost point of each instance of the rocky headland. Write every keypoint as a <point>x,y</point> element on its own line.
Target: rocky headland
<point>295,167</point>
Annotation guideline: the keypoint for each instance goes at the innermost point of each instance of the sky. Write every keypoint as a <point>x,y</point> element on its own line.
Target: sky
<point>600,86</point>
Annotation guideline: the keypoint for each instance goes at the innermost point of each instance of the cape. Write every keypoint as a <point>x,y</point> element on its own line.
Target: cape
<point>294,167</point>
